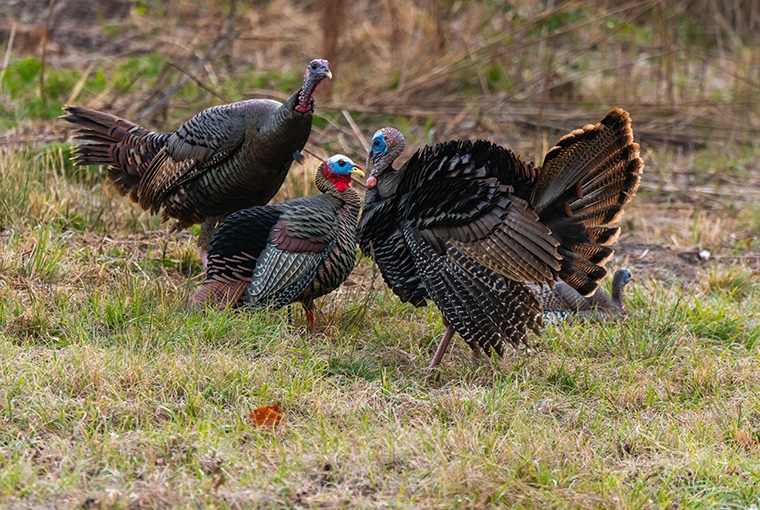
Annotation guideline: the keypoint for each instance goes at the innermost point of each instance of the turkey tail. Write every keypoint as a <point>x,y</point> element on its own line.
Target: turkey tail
<point>125,147</point>
<point>585,181</point>
<point>218,294</point>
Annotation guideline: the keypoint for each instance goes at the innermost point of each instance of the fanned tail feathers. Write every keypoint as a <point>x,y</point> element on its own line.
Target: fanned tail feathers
<point>585,181</point>
<point>104,139</point>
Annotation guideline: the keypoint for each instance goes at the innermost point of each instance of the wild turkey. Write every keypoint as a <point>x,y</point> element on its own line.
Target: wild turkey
<point>466,224</point>
<point>225,158</point>
<point>294,251</point>
<point>563,302</point>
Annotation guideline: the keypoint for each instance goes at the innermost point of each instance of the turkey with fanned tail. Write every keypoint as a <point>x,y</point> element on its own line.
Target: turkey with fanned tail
<point>225,158</point>
<point>294,251</point>
<point>466,224</point>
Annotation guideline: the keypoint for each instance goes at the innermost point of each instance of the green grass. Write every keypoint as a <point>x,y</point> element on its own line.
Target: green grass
<point>113,397</point>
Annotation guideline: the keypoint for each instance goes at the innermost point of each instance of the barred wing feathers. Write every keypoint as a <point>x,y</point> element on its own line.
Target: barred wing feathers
<point>233,254</point>
<point>202,142</point>
<point>468,197</point>
<point>486,309</point>
<point>381,238</point>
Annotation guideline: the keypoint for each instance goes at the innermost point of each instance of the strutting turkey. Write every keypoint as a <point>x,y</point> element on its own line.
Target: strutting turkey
<point>565,303</point>
<point>466,224</point>
<point>294,251</point>
<point>225,158</point>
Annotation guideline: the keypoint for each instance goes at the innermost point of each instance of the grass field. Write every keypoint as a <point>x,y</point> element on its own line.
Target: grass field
<point>111,396</point>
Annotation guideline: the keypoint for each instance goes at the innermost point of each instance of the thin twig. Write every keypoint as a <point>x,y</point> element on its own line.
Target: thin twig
<point>575,55</point>
<point>356,130</point>
<point>462,61</point>
<point>544,91</point>
<point>80,84</point>
<point>211,91</point>
<point>225,37</point>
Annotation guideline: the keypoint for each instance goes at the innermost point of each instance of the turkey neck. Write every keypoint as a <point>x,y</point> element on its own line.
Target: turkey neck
<point>386,186</point>
<point>305,102</point>
<point>349,195</point>
<point>284,133</point>
<point>617,294</point>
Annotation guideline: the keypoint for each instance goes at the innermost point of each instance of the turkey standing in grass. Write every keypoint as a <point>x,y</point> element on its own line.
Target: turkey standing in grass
<point>226,158</point>
<point>294,251</point>
<point>466,224</point>
<point>565,303</point>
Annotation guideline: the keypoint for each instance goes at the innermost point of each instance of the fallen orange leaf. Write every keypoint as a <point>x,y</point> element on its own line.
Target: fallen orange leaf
<point>266,416</point>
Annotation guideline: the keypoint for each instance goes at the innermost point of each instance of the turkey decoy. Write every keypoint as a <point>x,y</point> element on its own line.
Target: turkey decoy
<point>563,302</point>
<point>466,224</point>
<point>225,158</point>
<point>294,251</point>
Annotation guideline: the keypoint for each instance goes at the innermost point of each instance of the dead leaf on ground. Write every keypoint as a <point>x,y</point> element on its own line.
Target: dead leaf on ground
<point>266,416</point>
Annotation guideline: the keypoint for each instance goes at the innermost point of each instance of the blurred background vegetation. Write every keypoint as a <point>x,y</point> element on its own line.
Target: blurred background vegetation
<point>688,70</point>
<point>520,73</point>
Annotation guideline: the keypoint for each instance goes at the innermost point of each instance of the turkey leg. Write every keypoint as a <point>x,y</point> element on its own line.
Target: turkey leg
<point>442,346</point>
<point>309,309</point>
<point>204,238</point>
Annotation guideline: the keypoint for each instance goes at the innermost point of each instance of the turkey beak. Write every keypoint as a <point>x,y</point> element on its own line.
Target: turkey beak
<point>329,74</point>
<point>357,170</point>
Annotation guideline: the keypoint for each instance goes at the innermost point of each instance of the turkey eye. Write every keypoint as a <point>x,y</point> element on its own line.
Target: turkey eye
<point>341,163</point>
<point>376,143</point>
<point>313,67</point>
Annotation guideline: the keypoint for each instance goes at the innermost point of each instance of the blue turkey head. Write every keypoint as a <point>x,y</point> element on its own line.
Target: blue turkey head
<point>338,169</point>
<point>387,143</point>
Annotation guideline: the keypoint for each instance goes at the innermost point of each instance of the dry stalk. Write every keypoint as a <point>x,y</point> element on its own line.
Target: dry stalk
<point>80,84</point>
<point>45,36</point>
<point>7,58</point>
<point>333,19</point>
<point>355,129</point>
